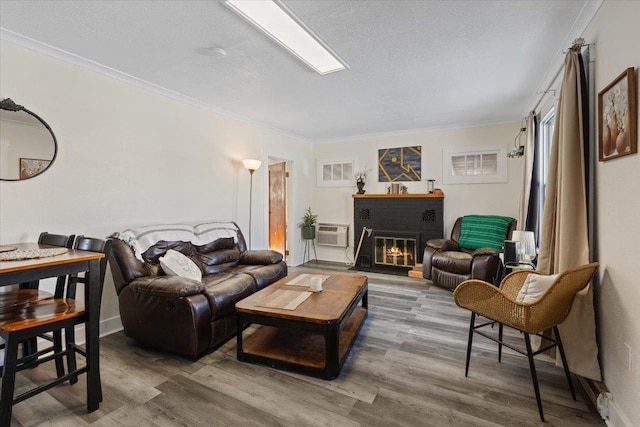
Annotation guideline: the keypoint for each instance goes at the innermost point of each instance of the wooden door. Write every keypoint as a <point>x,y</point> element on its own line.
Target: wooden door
<point>278,207</point>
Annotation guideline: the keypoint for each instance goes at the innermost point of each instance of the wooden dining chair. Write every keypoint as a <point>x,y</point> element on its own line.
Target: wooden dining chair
<point>69,292</point>
<point>32,313</point>
<point>30,347</point>
<point>51,239</point>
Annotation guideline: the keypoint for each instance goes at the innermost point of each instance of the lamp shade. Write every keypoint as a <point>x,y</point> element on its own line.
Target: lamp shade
<point>527,244</point>
<point>251,164</point>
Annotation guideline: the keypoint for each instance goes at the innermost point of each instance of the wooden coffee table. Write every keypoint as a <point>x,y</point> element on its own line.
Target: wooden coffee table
<point>313,339</point>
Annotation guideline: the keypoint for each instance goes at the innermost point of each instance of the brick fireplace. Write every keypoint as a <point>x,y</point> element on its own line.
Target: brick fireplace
<point>399,224</point>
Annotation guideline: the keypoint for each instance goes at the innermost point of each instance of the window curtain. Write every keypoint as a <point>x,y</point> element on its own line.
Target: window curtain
<point>564,230</point>
<point>528,201</point>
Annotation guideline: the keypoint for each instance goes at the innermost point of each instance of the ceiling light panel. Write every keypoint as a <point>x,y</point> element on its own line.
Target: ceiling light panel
<point>281,25</point>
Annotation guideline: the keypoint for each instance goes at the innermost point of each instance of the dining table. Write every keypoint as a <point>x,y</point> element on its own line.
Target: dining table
<point>70,262</point>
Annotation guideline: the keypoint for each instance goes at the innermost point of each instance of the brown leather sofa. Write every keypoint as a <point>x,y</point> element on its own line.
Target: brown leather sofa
<point>184,316</point>
<point>448,264</point>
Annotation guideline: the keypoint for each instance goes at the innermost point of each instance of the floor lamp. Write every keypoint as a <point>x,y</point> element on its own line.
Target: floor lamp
<point>251,165</point>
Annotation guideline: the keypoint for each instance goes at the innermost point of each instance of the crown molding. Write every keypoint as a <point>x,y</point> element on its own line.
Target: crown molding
<point>414,131</point>
<point>71,58</point>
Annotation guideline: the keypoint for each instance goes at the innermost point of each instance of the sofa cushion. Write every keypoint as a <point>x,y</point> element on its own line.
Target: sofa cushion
<point>220,260</point>
<point>452,261</point>
<point>484,231</point>
<point>153,254</point>
<point>224,290</point>
<point>263,257</point>
<point>264,275</point>
<point>222,243</point>
<point>176,264</point>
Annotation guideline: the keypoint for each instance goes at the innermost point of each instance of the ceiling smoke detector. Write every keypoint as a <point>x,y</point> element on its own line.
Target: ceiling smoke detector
<point>217,52</point>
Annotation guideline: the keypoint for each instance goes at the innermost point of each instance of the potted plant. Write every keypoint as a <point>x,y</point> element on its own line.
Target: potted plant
<point>308,224</point>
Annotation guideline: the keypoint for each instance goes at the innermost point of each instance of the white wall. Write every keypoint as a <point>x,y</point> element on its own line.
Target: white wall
<point>615,34</point>
<point>335,204</point>
<point>130,157</point>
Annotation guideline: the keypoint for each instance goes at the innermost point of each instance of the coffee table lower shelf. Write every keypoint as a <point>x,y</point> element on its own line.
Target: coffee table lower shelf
<point>304,350</point>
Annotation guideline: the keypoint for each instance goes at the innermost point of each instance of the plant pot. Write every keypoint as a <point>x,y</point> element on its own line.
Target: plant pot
<point>308,232</point>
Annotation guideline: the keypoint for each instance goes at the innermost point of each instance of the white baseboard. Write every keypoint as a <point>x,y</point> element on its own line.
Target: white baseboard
<point>107,327</point>
<point>110,326</point>
<point>616,418</point>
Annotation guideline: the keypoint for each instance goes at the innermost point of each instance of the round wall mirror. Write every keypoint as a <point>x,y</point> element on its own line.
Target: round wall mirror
<point>28,146</point>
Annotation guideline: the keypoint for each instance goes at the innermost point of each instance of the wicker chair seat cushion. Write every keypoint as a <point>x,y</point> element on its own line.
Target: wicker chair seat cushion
<point>452,261</point>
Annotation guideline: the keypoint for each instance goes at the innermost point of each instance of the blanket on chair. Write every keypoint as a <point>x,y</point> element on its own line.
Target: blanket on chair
<point>142,238</point>
<point>484,231</point>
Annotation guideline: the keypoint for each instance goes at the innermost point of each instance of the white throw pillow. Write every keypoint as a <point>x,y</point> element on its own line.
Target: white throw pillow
<point>535,285</point>
<point>176,264</point>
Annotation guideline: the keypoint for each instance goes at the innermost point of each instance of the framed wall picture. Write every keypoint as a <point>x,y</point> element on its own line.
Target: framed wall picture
<point>400,164</point>
<point>32,167</point>
<point>617,117</point>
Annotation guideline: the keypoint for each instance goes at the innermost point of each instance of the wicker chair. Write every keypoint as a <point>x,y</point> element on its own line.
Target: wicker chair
<point>547,312</point>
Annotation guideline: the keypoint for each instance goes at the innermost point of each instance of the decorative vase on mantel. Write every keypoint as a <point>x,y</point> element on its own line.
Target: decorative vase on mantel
<point>360,185</point>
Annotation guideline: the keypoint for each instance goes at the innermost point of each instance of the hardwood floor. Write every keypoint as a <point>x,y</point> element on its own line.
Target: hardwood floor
<point>405,369</point>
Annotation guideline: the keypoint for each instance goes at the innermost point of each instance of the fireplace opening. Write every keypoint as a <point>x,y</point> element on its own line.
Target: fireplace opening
<point>395,251</point>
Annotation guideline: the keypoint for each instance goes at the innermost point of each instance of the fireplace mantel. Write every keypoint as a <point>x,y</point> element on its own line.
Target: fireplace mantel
<point>435,195</point>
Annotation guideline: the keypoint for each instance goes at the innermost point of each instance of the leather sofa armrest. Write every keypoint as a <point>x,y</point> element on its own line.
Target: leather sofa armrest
<point>261,257</point>
<point>167,286</point>
<point>487,266</point>
<point>433,246</point>
<point>443,244</point>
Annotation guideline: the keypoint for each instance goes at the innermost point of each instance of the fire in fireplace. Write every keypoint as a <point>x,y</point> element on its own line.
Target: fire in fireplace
<point>395,251</point>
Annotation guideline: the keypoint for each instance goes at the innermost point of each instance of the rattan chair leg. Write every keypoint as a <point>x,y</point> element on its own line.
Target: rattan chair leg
<point>471,326</point>
<point>565,365</point>
<point>534,376</point>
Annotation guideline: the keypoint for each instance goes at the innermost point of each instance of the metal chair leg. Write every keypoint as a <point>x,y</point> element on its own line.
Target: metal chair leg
<point>314,250</point>
<point>471,325</point>
<point>534,377</point>
<point>565,365</point>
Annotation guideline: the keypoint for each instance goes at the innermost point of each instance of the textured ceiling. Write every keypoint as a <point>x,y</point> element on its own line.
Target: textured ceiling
<point>413,64</point>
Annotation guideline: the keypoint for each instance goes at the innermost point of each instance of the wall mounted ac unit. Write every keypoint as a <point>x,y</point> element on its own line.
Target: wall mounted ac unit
<point>333,234</point>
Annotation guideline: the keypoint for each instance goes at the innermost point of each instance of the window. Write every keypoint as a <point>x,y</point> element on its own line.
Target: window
<point>468,167</point>
<point>335,173</point>
<point>542,155</point>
